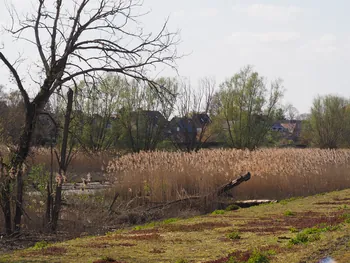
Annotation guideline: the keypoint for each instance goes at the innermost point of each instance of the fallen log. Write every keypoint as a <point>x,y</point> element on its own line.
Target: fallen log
<point>221,190</point>
<point>232,184</point>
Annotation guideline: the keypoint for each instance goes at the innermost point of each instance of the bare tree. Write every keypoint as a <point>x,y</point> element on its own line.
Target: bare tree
<point>75,40</point>
<point>291,112</point>
<point>144,115</point>
<point>194,107</point>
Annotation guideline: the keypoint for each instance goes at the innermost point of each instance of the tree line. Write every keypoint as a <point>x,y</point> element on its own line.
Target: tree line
<point>117,113</point>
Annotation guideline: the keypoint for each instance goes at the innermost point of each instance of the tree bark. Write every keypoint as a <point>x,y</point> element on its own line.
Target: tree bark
<point>49,202</point>
<point>6,207</point>
<point>21,154</point>
<point>232,184</point>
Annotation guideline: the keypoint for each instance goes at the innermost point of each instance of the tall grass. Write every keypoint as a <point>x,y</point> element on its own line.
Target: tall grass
<point>276,173</point>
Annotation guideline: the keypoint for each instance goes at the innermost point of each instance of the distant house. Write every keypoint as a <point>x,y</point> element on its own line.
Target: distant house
<point>190,133</point>
<point>152,119</point>
<point>200,121</point>
<point>189,125</point>
<point>278,127</point>
<point>288,129</point>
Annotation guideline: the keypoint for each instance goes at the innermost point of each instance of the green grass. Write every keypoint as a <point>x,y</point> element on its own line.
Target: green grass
<point>258,234</point>
<point>40,245</point>
<point>218,212</point>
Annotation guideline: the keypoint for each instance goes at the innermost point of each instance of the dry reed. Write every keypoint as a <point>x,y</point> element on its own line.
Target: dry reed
<point>277,173</point>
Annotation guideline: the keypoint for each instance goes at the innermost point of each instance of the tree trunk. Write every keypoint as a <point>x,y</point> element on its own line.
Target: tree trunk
<point>62,162</point>
<point>18,160</point>
<point>49,202</point>
<point>6,206</point>
<point>19,202</point>
<point>16,165</point>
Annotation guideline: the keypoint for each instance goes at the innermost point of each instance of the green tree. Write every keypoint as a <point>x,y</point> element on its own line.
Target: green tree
<point>94,118</point>
<point>330,118</point>
<point>247,108</point>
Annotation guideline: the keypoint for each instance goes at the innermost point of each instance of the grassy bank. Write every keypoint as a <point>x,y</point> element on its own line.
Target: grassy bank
<point>296,230</point>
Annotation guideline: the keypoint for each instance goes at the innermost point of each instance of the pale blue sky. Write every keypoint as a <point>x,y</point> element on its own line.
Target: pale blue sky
<point>306,43</point>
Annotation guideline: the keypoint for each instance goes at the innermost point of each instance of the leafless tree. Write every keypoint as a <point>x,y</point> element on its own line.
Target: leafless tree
<point>194,106</point>
<point>75,40</point>
<point>291,112</point>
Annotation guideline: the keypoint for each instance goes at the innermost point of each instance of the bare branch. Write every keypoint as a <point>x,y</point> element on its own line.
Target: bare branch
<point>17,78</point>
<point>54,32</point>
<point>37,37</point>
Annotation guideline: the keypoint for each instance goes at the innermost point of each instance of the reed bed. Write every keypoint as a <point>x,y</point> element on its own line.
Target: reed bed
<point>276,173</point>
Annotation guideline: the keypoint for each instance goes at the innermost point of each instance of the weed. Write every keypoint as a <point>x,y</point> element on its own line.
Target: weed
<point>346,218</point>
<point>311,234</point>
<point>258,257</point>
<point>301,238</point>
<point>289,213</point>
<point>293,230</point>
<point>181,261</point>
<point>234,235</point>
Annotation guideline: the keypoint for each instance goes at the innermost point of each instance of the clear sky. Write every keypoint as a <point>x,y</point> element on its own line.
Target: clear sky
<point>306,43</point>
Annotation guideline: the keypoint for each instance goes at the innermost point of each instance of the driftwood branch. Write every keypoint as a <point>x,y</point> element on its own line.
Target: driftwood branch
<point>221,190</point>
<point>232,184</point>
